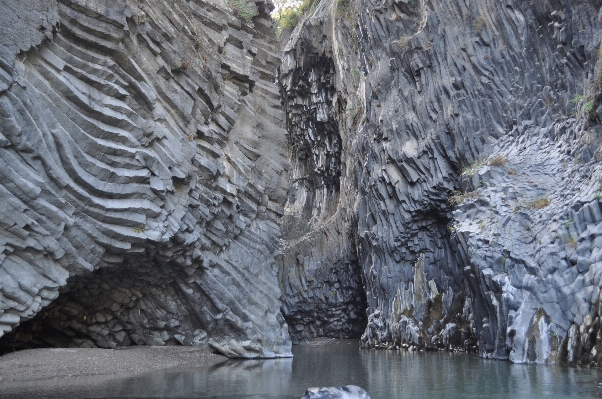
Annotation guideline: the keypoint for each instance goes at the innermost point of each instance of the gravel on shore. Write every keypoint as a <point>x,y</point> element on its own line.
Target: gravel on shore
<point>51,363</point>
<point>321,341</point>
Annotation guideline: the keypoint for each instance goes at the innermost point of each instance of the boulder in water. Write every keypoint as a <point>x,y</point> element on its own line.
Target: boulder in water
<point>346,392</point>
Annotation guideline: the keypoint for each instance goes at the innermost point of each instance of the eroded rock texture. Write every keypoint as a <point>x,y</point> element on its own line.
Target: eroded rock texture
<point>142,176</point>
<point>323,294</point>
<point>444,175</point>
<point>418,91</point>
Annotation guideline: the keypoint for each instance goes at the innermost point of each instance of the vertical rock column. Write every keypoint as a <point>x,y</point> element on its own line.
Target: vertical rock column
<point>424,92</point>
<point>320,277</point>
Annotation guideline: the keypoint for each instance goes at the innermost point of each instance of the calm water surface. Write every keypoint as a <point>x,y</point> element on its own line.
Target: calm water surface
<point>384,374</point>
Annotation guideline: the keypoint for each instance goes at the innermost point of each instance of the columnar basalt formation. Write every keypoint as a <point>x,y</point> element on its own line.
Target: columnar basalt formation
<point>323,293</point>
<point>440,168</point>
<point>470,180</point>
<point>143,175</point>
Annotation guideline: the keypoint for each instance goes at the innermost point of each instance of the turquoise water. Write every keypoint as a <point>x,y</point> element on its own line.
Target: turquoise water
<point>384,374</point>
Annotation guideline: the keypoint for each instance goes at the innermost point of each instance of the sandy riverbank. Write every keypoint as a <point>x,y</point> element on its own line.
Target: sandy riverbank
<point>66,363</point>
<point>65,372</point>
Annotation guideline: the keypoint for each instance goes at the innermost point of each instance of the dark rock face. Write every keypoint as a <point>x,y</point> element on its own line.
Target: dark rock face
<point>143,175</point>
<point>509,263</point>
<point>323,293</point>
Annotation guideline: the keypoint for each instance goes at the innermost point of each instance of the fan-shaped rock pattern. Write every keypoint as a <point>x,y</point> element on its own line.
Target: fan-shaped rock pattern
<point>143,175</point>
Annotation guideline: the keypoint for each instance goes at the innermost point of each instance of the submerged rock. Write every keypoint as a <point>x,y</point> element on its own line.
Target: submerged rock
<point>346,392</point>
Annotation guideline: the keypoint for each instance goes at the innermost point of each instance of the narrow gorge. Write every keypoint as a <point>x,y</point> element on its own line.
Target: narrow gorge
<point>420,174</point>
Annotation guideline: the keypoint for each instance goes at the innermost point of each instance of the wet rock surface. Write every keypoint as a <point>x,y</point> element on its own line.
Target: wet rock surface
<point>346,392</point>
<point>143,175</point>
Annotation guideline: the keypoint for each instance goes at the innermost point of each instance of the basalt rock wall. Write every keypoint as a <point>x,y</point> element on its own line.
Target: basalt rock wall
<point>438,183</point>
<point>143,175</point>
<point>320,275</point>
<point>469,170</point>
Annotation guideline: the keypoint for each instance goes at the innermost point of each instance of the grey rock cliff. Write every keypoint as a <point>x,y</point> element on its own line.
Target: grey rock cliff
<point>499,258</point>
<point>143,174</point>
<point>437,186</point>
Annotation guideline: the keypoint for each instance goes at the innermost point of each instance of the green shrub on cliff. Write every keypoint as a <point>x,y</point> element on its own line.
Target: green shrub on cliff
<point>585,107</point>
<point>244,9</point>
<point>288,18</point>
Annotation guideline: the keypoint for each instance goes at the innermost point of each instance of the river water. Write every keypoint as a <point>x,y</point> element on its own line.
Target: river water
<point>384,374</point>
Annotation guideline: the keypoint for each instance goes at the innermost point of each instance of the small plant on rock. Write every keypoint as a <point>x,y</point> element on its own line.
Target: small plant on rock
<point>244,9</point>
<point>345,9</point>
<point>479,23</point>
<point>577,98</point>
<point>571,241</point>
<point>404,41</point>
<point>585,107</point>
<point>457,197</point>
<point>356,78</point>
<point>141,18</point>
<point>355,41</point>
<point>498,160</point>
<point>472,168</point>
<point>482,225</point>
<point>539,203</point>
<point>184,64</point>
<point>353,112</point>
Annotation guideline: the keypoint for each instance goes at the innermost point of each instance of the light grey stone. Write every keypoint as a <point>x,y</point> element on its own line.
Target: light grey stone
<point>345,392</point>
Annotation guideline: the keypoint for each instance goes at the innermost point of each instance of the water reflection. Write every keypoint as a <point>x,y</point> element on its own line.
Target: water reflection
<point>385,374</point>
<point>448,375</point>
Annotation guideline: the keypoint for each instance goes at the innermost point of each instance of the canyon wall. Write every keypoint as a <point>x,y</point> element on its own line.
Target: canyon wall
<point>143,174</point>
<point>466,136</point>
<point>420,173</point>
